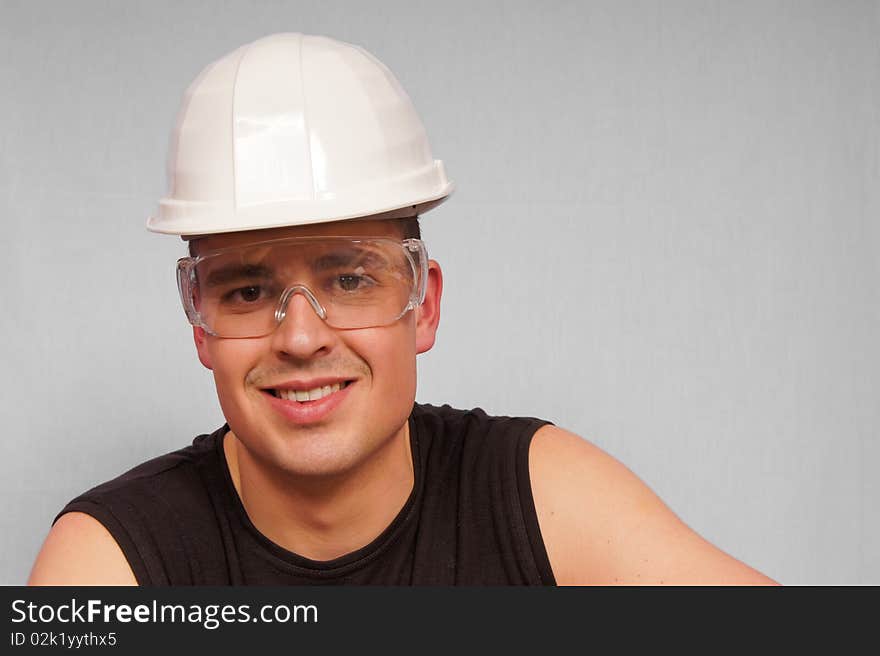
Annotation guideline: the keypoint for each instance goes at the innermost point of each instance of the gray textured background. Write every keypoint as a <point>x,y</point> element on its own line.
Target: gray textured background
<point>664,238</point>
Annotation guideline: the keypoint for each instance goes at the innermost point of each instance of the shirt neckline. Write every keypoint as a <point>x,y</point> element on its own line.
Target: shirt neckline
<point>346,563</point>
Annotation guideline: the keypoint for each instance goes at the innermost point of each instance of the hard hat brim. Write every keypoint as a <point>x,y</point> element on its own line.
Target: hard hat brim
<point>188,219</point>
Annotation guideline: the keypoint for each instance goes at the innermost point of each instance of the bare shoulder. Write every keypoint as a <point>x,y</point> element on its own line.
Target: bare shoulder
<point>80,551</point>
<point>602,525</point>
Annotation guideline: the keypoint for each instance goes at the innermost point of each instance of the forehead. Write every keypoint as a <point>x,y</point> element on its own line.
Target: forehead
<point>350,228</point>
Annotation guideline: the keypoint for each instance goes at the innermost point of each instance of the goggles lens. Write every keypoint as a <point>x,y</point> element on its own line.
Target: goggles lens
<point>350,283</point>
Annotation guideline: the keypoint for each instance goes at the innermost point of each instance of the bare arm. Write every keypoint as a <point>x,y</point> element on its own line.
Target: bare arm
<point>602,525</point>
<point>80,551</point>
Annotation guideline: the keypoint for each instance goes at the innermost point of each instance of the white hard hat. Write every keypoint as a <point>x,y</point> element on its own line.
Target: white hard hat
<point>295,129</point>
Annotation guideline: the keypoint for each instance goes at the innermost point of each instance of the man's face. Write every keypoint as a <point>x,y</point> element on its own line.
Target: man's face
<point>376,365</point>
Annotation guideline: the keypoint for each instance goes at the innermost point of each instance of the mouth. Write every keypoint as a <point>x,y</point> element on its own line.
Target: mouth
<point>310,402</point>
<point>304,396</point>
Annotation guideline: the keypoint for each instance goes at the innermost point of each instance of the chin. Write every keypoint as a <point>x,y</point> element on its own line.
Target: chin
<point>319,460</point>
<point>315,452</point>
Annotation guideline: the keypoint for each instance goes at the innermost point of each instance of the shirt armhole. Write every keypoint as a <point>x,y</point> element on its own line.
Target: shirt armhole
<point>116,529</point>
<point>527,503</point>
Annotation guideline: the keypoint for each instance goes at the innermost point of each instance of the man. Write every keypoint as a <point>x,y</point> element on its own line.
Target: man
<point>297,173</point>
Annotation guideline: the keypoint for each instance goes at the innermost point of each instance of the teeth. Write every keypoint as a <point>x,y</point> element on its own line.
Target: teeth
<point>309,395</point>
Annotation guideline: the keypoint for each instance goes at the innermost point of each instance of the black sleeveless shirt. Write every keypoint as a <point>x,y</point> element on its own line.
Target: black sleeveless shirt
<point>470,519</point>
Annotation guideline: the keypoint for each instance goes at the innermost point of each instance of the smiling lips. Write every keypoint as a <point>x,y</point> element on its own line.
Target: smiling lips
<point>314,394</point>
<point>308,402</point>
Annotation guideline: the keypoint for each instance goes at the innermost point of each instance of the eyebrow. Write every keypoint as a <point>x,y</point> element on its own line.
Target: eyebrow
<point>334,260</point>
<point>233,272</point>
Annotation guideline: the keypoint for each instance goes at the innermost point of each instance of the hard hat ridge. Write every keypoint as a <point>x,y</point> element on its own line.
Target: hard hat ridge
<point>295,129</point>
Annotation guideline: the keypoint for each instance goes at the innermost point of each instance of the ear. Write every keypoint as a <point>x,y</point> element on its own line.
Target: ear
<point>428,313</point>
<point>200,339</point>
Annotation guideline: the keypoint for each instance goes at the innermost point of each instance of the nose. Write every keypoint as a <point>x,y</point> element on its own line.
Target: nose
<point>289,293</point>
<point>301,332</point>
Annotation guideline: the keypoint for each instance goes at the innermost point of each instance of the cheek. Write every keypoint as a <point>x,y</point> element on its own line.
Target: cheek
<point>393,362</point>
<point>232,360</point>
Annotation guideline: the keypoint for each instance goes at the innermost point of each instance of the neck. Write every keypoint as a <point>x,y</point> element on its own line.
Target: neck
<point>323,518</point>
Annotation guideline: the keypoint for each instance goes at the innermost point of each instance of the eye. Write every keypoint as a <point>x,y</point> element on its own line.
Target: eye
<point>245,295</point>
<point>349,282</point>
<point>249,294</point>
<point>352,282</point>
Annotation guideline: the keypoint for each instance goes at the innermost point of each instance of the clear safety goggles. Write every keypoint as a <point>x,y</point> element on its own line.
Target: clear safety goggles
<point>350,282</point>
